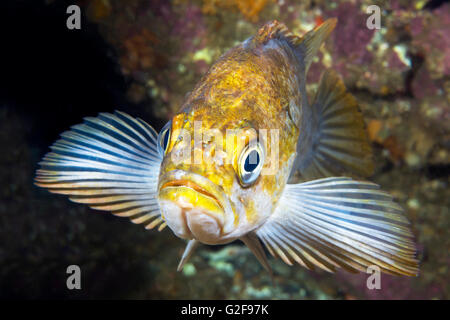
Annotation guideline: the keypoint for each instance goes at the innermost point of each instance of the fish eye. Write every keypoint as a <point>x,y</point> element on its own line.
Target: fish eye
<point>164,138</point>
<point>250,164</point>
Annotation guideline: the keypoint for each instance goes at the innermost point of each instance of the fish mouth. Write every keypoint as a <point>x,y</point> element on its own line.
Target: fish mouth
<point>192,185</point>
<point>194,207</point>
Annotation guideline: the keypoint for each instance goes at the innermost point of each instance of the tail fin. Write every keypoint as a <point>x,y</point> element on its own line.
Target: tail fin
<point>334,141</point>
<point>111,163</point>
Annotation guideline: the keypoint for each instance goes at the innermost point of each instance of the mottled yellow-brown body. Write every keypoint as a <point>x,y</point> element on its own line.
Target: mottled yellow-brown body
<point>250,87</point>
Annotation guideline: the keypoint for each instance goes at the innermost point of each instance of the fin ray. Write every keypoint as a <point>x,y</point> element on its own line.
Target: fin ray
<point>111,163</point>
<point>306,46</point>
<point>252,242</point>
<point>190,248</point>
<point>334,141</point>
<point>310,43</point>
<point>360,227</point>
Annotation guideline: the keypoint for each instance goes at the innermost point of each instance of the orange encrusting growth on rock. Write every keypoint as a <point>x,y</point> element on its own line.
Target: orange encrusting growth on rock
<point>250,9</point>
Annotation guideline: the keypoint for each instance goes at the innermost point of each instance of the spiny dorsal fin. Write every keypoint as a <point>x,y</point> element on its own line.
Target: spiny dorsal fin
<point>309,44</point>
<point>276,30</point>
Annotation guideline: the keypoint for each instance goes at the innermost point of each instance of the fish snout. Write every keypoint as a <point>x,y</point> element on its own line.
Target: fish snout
<point>194,207</point>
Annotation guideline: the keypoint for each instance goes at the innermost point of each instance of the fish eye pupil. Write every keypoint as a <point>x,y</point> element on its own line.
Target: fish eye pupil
<point>252,161</point>
<point>250,164</point>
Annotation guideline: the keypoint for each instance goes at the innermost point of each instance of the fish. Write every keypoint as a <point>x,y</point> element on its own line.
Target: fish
<point>248,158</point>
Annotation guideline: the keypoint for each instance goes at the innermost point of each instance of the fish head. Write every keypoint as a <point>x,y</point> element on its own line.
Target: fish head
<point>215,183</point>
<point>224,169</point>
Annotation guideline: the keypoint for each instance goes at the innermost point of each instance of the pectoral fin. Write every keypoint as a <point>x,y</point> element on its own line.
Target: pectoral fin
<point>110,163</point>
<point>340,223</point>
<point>333,141</point>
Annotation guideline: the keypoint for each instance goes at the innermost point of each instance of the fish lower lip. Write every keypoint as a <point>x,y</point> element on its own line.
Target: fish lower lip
<point>192,182</point>
<point>193,186</point>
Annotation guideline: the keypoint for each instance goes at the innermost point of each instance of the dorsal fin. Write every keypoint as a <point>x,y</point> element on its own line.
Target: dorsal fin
<point>276,30</point>
<point>309,44</point>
